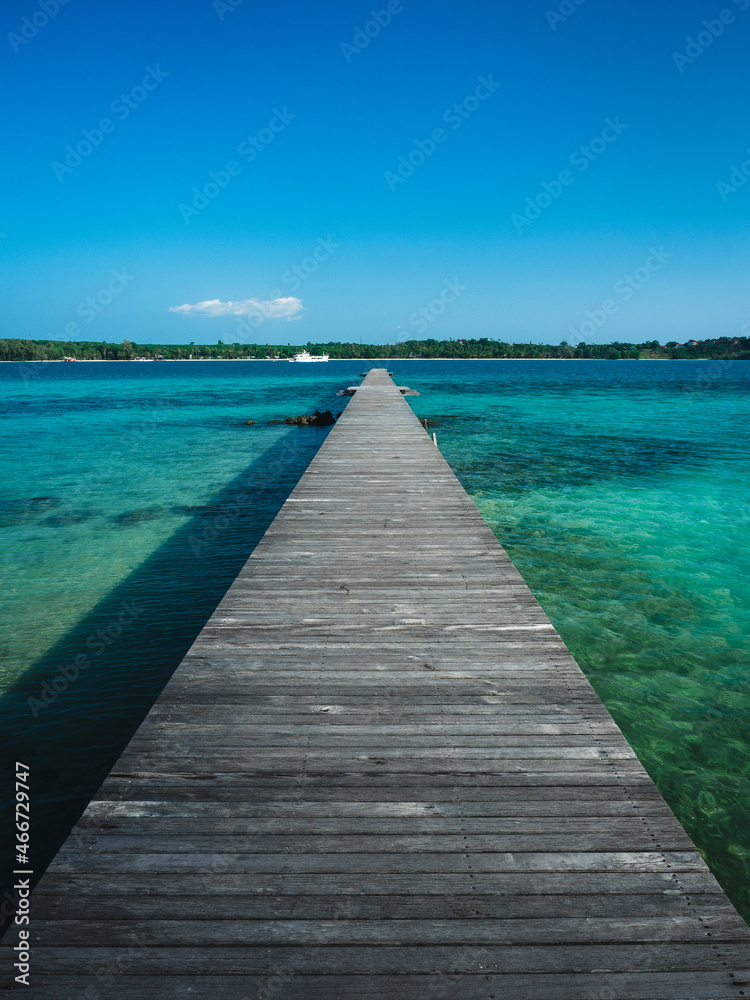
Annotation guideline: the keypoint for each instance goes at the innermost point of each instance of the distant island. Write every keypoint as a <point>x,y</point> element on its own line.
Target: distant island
<point>723,348</point>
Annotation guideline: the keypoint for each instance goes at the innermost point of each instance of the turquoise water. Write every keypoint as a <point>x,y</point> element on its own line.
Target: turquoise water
<point>621,492</point>
<point>133,493</point>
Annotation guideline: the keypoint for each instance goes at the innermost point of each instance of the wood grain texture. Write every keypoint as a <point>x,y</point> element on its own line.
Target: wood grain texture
<point>379,775</point>
<point>635,985</point>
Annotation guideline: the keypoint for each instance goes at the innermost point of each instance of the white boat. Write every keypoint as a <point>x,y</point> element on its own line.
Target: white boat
<point>306,356</point>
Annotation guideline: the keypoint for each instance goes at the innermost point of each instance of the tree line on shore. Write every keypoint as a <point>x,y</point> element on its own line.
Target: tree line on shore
<point>721,348</point>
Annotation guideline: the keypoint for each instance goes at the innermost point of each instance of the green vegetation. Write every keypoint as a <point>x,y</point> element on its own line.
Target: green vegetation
<point>723,348</point>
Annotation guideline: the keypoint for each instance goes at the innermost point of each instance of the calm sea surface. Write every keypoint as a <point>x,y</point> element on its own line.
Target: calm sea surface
<point>133,493</point>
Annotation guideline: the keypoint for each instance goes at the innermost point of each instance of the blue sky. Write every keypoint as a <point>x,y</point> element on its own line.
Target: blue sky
<point>317,125</point>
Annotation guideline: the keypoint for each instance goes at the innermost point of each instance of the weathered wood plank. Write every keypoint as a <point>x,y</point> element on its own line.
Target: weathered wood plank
<point>165,905</point>
<point>590,805</point>
<point>514,885</point>
<point>208,784</point>
<point>172,933</point>
<point>413,862</point>
<point>409,959</point>
<point>291,985</point>
<point>219,840</point>
<point>424,824</point>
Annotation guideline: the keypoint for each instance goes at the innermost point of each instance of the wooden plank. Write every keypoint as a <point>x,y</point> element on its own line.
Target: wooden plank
<point>397,758</point>
<point>187,864</point>
<point>400,960</point>
<point>208,784</point>
<point>219,840</point>
<point>173,933</point>
<point>208,824</point>
<point>165,905</point>
<point>570,885</point>
<point>379,774</point>
<point>590,805</point>
<point>292,985</point>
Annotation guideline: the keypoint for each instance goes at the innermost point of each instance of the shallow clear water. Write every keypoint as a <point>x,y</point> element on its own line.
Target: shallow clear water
<point>107,461</point>
<point>620,489</point>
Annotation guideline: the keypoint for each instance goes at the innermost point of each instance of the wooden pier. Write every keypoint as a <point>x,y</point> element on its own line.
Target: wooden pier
<point>380,775</point>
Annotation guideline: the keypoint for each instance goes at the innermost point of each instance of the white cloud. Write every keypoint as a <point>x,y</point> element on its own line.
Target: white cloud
<point>285,308</point>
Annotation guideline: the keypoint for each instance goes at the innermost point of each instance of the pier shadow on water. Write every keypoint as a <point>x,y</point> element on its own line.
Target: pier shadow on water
<point>133,640</point>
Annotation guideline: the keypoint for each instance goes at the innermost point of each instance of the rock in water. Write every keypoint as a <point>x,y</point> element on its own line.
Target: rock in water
<point>249,423</point>
<point>318,419</point>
